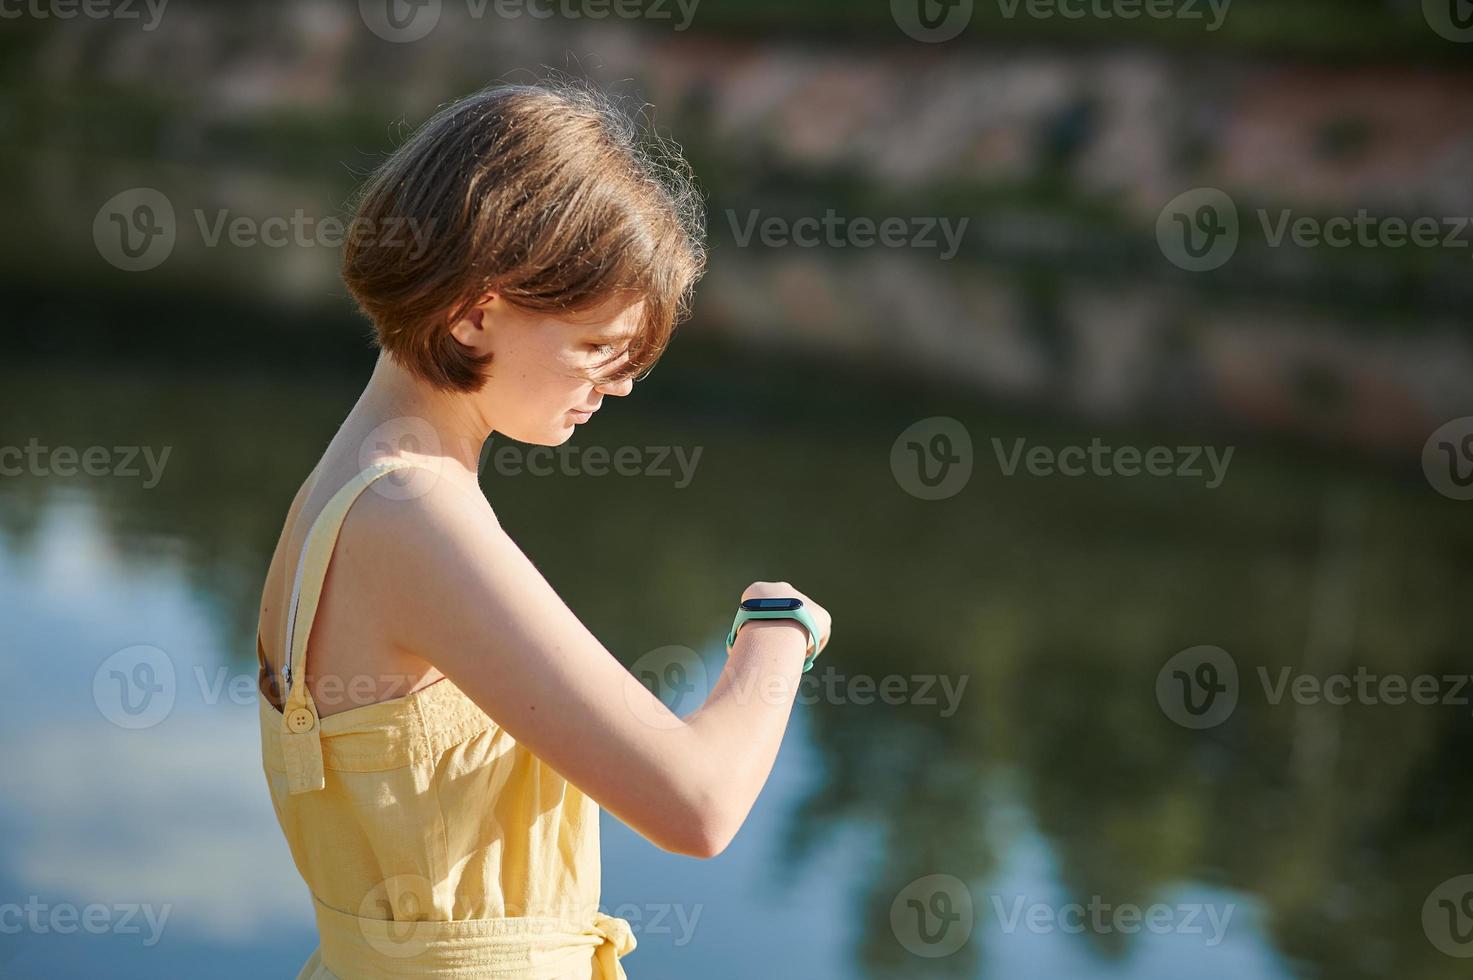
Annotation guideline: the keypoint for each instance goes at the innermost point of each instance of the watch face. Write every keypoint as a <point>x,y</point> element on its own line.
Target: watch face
<point>772,605</point>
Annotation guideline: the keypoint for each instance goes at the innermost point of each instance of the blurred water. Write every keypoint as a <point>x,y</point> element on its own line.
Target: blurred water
<point>1057,777</point>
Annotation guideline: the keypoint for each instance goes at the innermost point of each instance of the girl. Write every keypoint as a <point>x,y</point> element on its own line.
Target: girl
<point>438,729</point>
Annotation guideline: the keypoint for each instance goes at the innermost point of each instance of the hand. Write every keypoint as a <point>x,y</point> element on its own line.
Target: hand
<point>782,590</point>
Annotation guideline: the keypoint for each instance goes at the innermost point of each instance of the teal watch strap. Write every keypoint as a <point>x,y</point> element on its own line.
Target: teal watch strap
<point>783,609</point>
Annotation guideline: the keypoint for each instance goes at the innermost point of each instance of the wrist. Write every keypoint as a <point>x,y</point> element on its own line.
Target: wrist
<point>787,632</point>
<point>777,609</point>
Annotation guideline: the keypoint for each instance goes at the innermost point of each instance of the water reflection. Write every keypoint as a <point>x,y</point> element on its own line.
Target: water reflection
<point>1048,604</point>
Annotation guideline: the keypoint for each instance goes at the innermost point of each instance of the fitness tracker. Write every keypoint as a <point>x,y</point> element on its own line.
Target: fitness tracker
<point>788,608</point>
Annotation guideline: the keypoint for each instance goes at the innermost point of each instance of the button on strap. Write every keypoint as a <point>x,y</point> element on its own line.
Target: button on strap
<point>301,749</point>
<point>300,720</point>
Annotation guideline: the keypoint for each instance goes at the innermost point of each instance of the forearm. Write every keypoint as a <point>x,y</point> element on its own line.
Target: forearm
<point>740,726</point>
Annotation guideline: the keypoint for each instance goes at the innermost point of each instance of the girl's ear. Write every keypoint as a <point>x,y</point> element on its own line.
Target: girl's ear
<point>473,329</point>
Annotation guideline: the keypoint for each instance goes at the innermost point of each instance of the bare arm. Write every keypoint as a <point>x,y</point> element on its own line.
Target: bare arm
<point>451,587</point>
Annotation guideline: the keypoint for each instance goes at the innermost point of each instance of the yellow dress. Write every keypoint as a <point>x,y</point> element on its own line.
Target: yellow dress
<point>432,843</point>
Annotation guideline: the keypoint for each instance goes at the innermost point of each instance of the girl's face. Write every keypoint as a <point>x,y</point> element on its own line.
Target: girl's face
<point>544,377</point>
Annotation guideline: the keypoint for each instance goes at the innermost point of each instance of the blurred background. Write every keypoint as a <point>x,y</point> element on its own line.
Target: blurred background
<point>973,263</point>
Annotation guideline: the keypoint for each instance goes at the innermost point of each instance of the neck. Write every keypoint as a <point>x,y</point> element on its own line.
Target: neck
<point>406,416</point>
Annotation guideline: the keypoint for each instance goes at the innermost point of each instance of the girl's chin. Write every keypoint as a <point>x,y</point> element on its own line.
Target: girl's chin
<point>562,433</point>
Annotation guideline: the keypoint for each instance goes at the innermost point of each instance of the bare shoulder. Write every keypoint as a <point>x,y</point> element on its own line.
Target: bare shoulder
<point>424,516</point>
<point>440,579</point>
<point>418,545</point>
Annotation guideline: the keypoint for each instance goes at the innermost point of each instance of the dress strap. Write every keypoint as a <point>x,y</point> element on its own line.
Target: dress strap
<point>300,722</point>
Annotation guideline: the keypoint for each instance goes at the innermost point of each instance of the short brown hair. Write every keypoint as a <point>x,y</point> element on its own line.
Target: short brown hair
<point>546,195</point>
